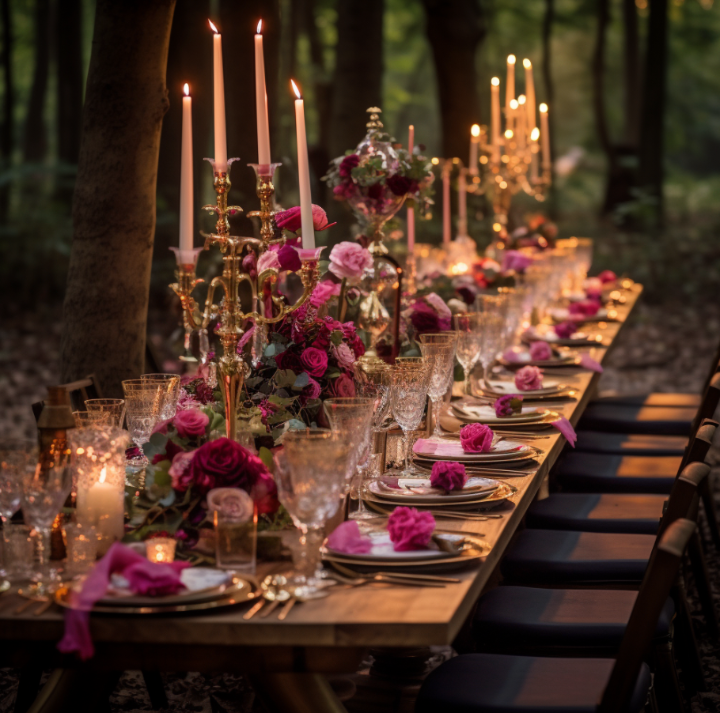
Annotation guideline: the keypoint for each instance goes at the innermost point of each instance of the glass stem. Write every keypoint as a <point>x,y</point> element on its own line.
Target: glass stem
<point>361,475</point>
<point>43,551</point>
<point>437,405</point>
<point>309,557</point>
<point>406,446</point>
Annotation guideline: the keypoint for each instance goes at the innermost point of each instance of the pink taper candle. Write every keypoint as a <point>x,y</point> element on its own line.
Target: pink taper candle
<point>495,116</point>
<point>306,218</point>
<point>545,136</point>
<point>447,217</point>
<point>261,102</point>
<point>411,209</point>
<point>186,176</point>
<point>221,161</point>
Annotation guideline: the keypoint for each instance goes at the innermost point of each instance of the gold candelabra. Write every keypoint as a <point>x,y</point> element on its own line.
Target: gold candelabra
<point>232,368</point>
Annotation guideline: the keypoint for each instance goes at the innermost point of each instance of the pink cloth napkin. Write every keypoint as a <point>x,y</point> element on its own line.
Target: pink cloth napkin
<point>425,446</point>
<point>145,577</point>
<point>346,538</point>
<point>512,355</point>
<point>565,427</point>
<point>587,362</point>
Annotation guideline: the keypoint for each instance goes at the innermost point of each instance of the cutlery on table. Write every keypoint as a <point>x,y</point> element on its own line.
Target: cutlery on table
<point>397,575</point>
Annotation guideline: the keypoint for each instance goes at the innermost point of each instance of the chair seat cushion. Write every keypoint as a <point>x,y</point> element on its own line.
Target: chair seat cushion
<point>654,399</point>
<point>513,619</point>
<point>493,683</point>
<point>613,473</point>
<point>652,420</point>
<point>630,444</point>
<point>594,512</point>
<point>563,556</point>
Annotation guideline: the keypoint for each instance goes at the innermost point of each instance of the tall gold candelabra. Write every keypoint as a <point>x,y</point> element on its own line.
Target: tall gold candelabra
<point>232,368</point>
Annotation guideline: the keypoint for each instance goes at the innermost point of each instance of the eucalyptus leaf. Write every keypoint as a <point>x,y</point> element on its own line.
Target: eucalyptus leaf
<point>295,424</point>
<point>266,457</point>
<point>284,377</point>
<point>301,381</point>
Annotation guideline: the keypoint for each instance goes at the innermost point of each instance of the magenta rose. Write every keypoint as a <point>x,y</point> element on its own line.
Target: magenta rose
<point>506,406</point>
<point>347,164</point>
<point>349,260</point>
<point>289,360</point>
<point>410,529</point>
<point>264,492</point>
<point>540,351</point>
<point>191,423</point>
<point>291,219</point>
<point>314,361</point>
<point>476,438</point>
<point>345,190</point>
<point>312,390</point>
<point>584,308</point>
<point>180,470</point>
<point>516,261</point>
<point>323,292</point>
<point>529,378</point>
<point>426,320</point>
<point>249,264</point>
<point>565,330</point>
<point>269,259</point>
<point>607,276</point>
<point>341,387</point>
<point>447,475</point>
<point>401,185</point>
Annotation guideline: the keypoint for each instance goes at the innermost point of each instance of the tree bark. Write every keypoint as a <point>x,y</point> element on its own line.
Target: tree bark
<point>7,129</point>
<point>547,27</point>
<point>631,84</point>
<point>105,310</point>
<point>68,28</point>
<point>651,173</point>
<point>35,133</point>
<point>598,77</point>
<point>455,29</point>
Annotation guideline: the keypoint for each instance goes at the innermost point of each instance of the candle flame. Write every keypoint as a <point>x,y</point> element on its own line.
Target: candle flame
<point>509,134</point>
<point>513,104</point>
<point>521,99</point>
<point>213,28</point>
<point>543,108</point>
<point>495,82</point>
<point>295,89</point>
<point>527,64</point>
<point>186,89</point>
<point>259,28</point>
<point>475,130</point>
<point>434,161</point>
<point>103,475</point>
<point>511,59</point>
<point>535,134</point>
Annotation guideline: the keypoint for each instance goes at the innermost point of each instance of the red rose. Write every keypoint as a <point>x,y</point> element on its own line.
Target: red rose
<point>289,360</point>
<point>289,258</point>
<point>401,185</point>
<point>425,319</point>
<point>342,386</point>
<point>347,165</point>
<point>476,438</point>
<point>314,361</point>
<point>191,423</point>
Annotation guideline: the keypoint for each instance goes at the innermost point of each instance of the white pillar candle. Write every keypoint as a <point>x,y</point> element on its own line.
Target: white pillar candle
<point>261,102</point>
<point>447,218</point>
<point>186,175</point>
<point>510,88</point>
<point>462,203</point>
<point>521,122</point>
<point>411,209</point>
<point>474,140</point>
<point>545,136</point>
<point>221,162</point>
<point>530,94</point>
<point>495,116</point>
<point>102,505</point>
<point>306,220</point>
<point>534,136</point>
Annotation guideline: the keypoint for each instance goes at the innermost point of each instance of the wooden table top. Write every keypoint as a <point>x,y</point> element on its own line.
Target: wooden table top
<point>371,615</point>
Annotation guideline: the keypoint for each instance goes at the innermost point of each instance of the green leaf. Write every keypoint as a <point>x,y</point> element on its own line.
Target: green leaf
<point>296,425</point>
<point>301,381</point>
<point>332,373</point>
<point>162,477</point>
<point>284,377</point>
<point>336,337</point>
<point>266,457</point>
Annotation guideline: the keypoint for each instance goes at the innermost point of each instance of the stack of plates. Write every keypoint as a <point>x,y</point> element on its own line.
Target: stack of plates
<point>530,416</point>
<point>429,450</point>
<point>522,358</point>
<point>545,333</point>
<point>206,588</point>
<point>552,388</point>
<point>562,314</point>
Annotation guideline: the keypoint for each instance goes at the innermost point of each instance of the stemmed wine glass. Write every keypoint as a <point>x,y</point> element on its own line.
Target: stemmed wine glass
<point>442,355</point>
<point>114,408</point>
<point>351,419</point>
<point>468,327</point>
<point>17,457</point>
<point>310,477</point>
<point>171,391</point>
<point>144,400</point>
<point>493,326</point>
<point>408,393</point>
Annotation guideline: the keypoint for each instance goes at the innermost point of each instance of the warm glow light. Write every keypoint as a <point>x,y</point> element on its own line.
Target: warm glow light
<point>483,159</point>
<point>511,59</point>
<point>456,160</point>
<point>521,99</point>
<point>475,130</point>
<point>186,89</point>
<point>513,104</point>
<point>434,161</point>
<point>527,63</point>
<point>103,475</point>
<point>295,89</point>
<point>459,268</point>
<point>509,134</point>
<point>495,82</point>
<point>497,227</point>
<point>213,28</point>
<point>503,185</point>
<point>543,108</point>
<point>259,28</point>
<point>535,134</point>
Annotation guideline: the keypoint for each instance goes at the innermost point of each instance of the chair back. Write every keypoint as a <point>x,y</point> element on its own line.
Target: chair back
<point>699,445</point>
<point>684,496</point>
<point>714,368</point>
<point>710,401</point>
<point>659,578</point>
<point>79,391</point>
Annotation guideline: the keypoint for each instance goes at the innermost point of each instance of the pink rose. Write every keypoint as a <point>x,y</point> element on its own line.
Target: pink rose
<point>447,475</point>
<point>529,378</point>
<point>565,330</point>
<point>179,470</point>
<point>191,423</point>
<point>264,493</point>
<point>343,355</point>
<point>426,319</point>
<point>540,351</point>
<point>291,219</point>
<point>249,264</point>
<point>607,276</point>
<point>410,529</point>
<point>515,260</point>
<point>312,390</point>
<point>438,303</point>
<point>162,426</point>
<point>323,292</point>
<point>231,502</point>
<point>585,308</point>
<point>349,260</point>
<point>347,164</point>
<point>506,406</point>
<point>269,259</point>
<point>346,538</point>
<point>314,361</point>
<point>289,259</point>
<point>341,387</point>
<point>476,438</point>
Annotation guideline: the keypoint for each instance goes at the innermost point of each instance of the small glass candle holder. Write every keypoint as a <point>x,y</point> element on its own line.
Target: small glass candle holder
<point>19,551</point>
<point>235,543</point>
<point>160,549</point>
<point>113,409</point>
<point>81,544</point>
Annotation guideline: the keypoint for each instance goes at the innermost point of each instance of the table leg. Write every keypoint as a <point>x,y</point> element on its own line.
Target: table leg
<point>296,693</point>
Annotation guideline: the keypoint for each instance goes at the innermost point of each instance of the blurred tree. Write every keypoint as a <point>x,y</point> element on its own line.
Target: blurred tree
<point>631,72</point>
<point>35,135</point>
<point>105,309</point>
<point>455,29</point>
<point>547,28</point>
<point>7,132</point>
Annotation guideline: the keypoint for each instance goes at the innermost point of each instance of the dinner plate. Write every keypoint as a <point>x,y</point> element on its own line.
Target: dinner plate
<point>443,449</point>
<point>502,492</point>
<point>486,415</point>
<point>508,388</point>
<point>578,339</point>
<point>476,488</point>
<point>524,359</point>
<point>562,314</point>
<point>383,550</point>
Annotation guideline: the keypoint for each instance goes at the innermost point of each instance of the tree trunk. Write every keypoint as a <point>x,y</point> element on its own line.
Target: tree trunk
<point>598,79</point>
<point>631,84</point>
<point>105,311</point>
<point>35,134</point>
<point>6,128</point>
<point>68,26</point>
<point>547,26</point>
<point>238,21</point>
<point>651,172</point>
<point>455,29</point>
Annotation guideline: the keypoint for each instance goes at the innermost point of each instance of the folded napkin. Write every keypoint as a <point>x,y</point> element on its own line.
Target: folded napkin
<point>587,362</point>
<point>346,538</point>
<point>565,427</point>
<point>144,577</point>
<point>513,355</point>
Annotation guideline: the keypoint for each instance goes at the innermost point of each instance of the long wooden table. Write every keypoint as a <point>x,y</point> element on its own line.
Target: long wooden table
<point>323,636</point>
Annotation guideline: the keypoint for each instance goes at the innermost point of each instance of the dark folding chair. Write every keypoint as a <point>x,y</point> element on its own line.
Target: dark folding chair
<point>497,683</point>
<point>79,391</point>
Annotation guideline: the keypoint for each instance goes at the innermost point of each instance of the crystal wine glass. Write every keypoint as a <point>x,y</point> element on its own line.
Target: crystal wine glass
<point>144,400</point>
<point>84,419</point>
<point>351,418</point>
<point>442,358</point>
<point>493,326</point>
<point>114,408</point>
<point>17,457</point>
<point>171,392</point>
<point>408,394</point>
<point>310,477</point>
<point>468,327</point>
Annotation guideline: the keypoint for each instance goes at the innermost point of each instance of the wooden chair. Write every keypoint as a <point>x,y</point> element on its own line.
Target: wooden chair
<point>480,683</point>
<point>79,391</point>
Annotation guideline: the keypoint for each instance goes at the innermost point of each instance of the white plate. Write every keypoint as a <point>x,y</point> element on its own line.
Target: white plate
<point>382,550</point>
<point>524,359</point>
<point>443,449</point>
<point>505,388</point>
<point>486,414</point>
<point>561,314</point>
<point>475,489</point>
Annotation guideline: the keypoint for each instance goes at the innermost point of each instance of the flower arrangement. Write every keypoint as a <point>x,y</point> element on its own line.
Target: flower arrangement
<point>538,232</point>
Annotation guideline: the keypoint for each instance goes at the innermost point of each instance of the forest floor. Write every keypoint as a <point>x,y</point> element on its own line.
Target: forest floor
<point>661,349</point>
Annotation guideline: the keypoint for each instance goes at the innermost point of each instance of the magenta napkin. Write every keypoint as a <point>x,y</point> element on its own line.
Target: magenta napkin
<point>145,577</point>
<point>346,538</point>
<point>565,427</point>
<point>512,355</point>
<point>587,362</point>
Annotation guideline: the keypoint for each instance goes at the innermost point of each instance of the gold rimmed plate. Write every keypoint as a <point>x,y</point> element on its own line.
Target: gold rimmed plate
<point>501,493</point>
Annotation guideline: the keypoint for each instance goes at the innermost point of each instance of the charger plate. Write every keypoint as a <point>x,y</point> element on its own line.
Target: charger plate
<point>508,424</point>
<point>405,495</point>
<point>503,492</point>
<point>508,388</point>
<point>432,449</point>
<point>481,413</point>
